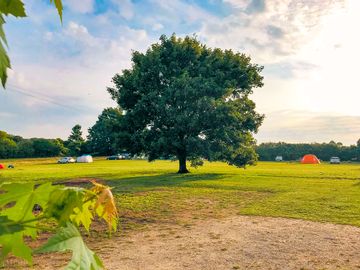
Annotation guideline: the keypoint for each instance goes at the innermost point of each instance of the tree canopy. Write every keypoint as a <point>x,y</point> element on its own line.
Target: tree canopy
<point>17,147</point>
<point>102,138</point>
<point>75,141</point>
<point>186,100</point>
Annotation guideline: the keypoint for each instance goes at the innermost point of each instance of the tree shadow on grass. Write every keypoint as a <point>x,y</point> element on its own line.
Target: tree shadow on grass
<point>357,184</point>
<point>158,181</point>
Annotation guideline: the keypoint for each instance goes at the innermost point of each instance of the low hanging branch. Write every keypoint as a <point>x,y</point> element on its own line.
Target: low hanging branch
<point>15,8</point>
<point>70,207</point>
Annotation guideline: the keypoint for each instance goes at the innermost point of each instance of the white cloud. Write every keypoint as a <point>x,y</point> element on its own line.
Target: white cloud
<point>98,52</point>
<point>177,11</point>
<point>6,115</point>
<point>78,32</point>
<point>241,4</point>
<point>68,77</point>
<point>157,26</point>
<point>272,34</point>
<point>18,78</point>
<point>48,36</point>
<point>81,6</point>
<point>308,48</point>
<point>305,126</point>
<point>307,66</point>
<point>126,8</point>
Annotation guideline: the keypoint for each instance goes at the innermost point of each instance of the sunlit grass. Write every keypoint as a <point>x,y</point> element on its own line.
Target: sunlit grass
<point>153,192</point>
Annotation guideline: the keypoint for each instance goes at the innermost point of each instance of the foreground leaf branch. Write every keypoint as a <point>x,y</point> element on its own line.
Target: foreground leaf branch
<point>27,209</point>
<point>15,8</point>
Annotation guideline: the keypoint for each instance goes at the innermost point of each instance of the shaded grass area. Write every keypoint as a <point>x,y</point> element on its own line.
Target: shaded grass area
<point>152,192</point>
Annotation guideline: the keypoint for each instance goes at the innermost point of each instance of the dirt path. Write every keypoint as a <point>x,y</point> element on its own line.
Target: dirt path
<point>239,243</point>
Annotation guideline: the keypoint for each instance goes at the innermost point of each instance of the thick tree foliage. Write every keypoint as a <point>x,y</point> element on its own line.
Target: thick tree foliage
<point>17,147</point>
<point>182,98</point>
<point>102,138</point>
<point>7,146</point>
<point>294,151</point>
<point>75,141</point>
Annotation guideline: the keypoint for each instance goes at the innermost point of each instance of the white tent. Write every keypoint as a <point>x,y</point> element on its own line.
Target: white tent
<point>84,159</point>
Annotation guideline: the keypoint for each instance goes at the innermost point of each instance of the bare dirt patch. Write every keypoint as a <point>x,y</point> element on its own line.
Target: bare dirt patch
<point>237,242</point>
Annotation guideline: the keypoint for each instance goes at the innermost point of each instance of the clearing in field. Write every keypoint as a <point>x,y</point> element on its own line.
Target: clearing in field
<point>208,216</point>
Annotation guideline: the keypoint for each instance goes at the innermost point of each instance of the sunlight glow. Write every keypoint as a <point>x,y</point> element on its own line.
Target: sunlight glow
<point>333,85</point>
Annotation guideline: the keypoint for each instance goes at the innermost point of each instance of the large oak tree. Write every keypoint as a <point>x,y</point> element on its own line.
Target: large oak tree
<point>184,99</point>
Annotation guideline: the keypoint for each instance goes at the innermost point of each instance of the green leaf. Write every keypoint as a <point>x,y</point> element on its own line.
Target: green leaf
<point>2,32</point>
<point>14,243</point>
<point>16,204</point>
<point>4,59</point>
<point>69,238</point>
<point>25,196</point>
<point>83,215</point>
<point>8,226</point>
<point>63,203</point>
<point>17,9</point>
<point>59,7</point>
<point>14,191</point>
<point>12,7</point>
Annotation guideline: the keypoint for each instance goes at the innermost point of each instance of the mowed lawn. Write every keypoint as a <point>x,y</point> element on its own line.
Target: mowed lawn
<point>153,192</point>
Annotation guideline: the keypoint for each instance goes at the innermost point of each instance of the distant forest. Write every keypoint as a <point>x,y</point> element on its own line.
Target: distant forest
<point>12,146</point>
<point>294,151</point>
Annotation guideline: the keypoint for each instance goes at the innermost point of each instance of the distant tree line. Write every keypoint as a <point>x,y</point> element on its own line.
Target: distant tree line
<point>107,137</point>
<point>104,139</point>
<point>12,146</point>
<point>17,147</point>
<point>324,151</point>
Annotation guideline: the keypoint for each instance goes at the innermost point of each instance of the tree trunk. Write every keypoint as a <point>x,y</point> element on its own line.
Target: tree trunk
<point>182,163</point>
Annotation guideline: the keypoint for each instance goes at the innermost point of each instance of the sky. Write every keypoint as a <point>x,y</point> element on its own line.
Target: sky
<point>309,50</point>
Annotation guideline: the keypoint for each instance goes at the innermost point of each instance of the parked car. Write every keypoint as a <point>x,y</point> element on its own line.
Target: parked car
<point>115,157</point>
<point>119,156</point>
<point>66,160</point>
<point>334,160</point>
<point>278,158</point>
<point>126,155</point>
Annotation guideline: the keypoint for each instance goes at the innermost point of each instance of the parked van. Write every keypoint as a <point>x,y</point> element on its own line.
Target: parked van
<point>334,160</point>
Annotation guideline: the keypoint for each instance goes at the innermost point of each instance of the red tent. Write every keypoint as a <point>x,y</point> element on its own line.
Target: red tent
<point>2,166</point>
<point>310,159</point>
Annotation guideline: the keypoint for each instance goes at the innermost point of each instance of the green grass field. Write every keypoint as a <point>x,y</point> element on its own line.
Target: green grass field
<point>151,192</point>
